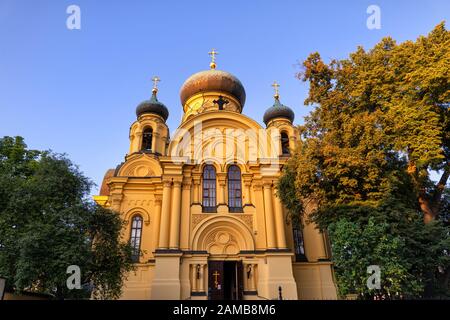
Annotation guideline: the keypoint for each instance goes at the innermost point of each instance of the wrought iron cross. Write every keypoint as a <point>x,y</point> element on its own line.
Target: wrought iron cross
<point>221,102</point>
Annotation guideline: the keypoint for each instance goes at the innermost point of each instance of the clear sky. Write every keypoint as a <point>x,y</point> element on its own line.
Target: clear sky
<point>75,91</point>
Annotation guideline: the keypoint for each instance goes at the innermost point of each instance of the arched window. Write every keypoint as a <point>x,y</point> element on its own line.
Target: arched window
<point>209,189</point>
<point>285,144</point>
<point>234,189</point>
<point>298,242</point>
<point>136,236</point>
<point>147,137</point>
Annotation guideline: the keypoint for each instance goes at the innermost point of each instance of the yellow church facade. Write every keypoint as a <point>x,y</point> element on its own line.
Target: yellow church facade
<point>201,209</point>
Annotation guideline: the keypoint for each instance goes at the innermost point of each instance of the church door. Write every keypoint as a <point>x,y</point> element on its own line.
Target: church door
<point>225,280</point>
<point>215,280</point>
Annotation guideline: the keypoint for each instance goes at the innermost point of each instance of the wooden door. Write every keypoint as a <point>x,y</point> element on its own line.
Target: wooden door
<point>215,280</point>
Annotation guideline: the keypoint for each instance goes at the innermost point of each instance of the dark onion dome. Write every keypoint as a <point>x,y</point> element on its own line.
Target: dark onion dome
<point>212,80</point>
<point>152,106</point>
<point>278,110</point>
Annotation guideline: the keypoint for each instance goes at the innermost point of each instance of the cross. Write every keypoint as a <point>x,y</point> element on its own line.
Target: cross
<point>213,54</point>
<point>216,276</point>
<point>221,102</point>
<point>155,80</point>
<point>275,85</point>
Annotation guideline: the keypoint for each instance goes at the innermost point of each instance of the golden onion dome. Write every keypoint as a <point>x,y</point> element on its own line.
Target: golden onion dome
<point>212,80</point>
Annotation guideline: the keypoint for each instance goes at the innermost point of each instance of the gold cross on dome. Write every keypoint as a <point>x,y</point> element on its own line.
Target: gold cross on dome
<point>213,54</point>
<point>275,85</point>
<point>155,80</point>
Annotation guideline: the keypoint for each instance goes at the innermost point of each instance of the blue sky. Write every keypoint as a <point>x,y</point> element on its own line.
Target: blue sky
<point>75,91</point>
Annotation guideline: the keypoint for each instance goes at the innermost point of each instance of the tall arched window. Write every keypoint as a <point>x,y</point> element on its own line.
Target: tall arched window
<point>136,236</point>
<point>209,189</point>
<point>234,189</point>
<point>147,137</point>
<point>298,242</point>
<point>285,144</point>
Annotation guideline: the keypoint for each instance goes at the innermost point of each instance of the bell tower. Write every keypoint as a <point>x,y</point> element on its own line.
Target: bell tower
<point>149,133</point>
<point>279,120</point>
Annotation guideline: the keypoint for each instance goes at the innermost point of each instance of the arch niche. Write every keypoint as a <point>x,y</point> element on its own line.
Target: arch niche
<point>222,235</point>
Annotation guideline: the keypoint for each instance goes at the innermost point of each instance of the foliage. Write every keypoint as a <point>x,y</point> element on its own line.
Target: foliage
<point>393,237</point>
<point>380,126</point>
<point>376,108</point>
<point>47,223</point>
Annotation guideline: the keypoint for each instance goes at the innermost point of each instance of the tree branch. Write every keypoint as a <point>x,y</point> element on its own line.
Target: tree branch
<point>440,186</point>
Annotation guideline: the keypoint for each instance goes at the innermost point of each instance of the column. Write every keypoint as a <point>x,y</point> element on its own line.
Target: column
<point>164,145</point>
<point>194,277</point>
<point>165,215</point>
<point>175,217</point>
<point>249,276</point>
<point>222,181</point>
<point>259,219</point>
<point>185,213</point>
<point>270,223</point>
<point>252,285</point>
<point>276,143</point>
<point>196,181</point>
<point>201,286</point>
<point>137,142</point>
<point>279,223</point>
<point>157,221</point>
<point>155,141</point>
<point>132,139</point>
<point>247,193</point>
<point>292,144</point>
<point>244,276</point>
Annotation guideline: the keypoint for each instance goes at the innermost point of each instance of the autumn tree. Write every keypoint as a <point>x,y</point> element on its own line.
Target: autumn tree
<point>390,102</point>
<point>379,131</point>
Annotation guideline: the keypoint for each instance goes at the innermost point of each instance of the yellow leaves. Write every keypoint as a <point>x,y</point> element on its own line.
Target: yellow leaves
<point>411,168</point>
<point>377,109</point>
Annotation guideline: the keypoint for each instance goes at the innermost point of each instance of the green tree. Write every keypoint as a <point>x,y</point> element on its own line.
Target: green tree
<point>380,127</point>
<point>48,223</point>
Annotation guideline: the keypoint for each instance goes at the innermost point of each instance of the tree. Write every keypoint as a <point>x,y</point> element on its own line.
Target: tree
<point>380,127</point>
<point>387,103</point>
<point>47,224</point>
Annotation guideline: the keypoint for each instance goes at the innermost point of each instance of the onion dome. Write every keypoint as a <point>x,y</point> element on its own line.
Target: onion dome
<point>212,80</point>
<point>278,110</point>
<point>153,105</point>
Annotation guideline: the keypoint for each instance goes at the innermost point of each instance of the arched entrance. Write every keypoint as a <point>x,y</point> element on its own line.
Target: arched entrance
<point>224,237</point>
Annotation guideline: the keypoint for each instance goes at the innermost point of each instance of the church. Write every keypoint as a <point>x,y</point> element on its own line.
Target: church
<point>200,207</point>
